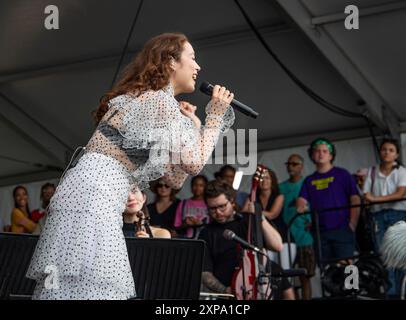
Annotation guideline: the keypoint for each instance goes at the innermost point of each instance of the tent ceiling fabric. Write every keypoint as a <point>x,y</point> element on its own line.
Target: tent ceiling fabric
<point>384,64</point>
<point>56,77</point>
<point>376,49</point>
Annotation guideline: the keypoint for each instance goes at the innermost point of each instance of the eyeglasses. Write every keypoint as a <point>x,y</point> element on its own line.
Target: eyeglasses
<point>161,185</point>
<point>220,207</point>
<point>293,164</point>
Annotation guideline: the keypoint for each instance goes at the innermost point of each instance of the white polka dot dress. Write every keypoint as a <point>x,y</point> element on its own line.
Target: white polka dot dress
<point>81,252</point>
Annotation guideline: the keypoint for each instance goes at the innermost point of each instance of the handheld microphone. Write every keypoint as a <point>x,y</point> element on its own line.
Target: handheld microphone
<point>207,88</point>
<point>230,235</point>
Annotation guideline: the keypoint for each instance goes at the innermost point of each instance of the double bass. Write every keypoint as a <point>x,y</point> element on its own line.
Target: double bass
<point>247,282</point>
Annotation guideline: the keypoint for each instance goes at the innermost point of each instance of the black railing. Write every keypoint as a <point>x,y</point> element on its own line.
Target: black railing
<point>316,228</point>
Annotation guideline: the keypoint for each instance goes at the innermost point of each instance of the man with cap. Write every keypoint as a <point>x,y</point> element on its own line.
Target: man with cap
<point>331,187</point>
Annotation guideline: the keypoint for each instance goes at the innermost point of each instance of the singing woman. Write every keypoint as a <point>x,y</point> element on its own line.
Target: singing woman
<point>143,133</point>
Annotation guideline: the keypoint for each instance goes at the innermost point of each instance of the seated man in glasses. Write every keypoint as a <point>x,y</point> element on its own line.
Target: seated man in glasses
<point>222,255</point>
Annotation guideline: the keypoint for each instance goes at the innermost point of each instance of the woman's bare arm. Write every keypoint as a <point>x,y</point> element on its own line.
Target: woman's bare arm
<point>276,208</point>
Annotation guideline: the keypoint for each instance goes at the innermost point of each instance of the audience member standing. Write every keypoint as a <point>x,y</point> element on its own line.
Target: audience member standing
<point>300,228</point>
<point>39,215</point>
<point>162,211</point>
<point>385,182</point>
<point>192,213</point>
<point>331,187</point>
<point>227,174</point>
<point>20,216</point>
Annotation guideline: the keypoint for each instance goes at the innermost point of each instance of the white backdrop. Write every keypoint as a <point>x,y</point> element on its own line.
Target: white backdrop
<point>351,154</point>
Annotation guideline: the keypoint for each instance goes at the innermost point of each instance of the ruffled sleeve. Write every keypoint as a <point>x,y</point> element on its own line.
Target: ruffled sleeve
<point>176,147</point>
<point>225,121</point>
<point>153,122</point>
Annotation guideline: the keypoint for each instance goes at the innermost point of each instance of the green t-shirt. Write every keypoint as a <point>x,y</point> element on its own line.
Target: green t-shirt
<point>298,230</point>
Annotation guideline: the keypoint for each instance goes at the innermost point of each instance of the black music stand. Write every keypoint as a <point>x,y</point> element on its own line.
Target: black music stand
<point>162,268</point>
<point>15,256</point>
<point>166,269</point>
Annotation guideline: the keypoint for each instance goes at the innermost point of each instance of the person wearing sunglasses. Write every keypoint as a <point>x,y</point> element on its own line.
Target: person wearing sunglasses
<point>163,210</point>
<point>300,228</point>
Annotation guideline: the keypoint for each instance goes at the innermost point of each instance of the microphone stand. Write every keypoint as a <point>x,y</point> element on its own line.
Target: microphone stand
<point>262,274</point>
<point>244,286</point>
<point>264,278</point>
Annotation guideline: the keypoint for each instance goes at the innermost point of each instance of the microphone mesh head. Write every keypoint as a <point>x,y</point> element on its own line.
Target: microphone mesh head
<point>206,88</point>
<point>228,234</point>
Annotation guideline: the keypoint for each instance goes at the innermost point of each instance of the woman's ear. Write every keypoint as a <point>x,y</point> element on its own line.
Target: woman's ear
<point>172,64</point>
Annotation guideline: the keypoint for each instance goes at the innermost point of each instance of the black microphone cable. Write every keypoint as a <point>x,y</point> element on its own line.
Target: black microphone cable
<point>292,76</point>
<point>321,101</point>
<point>127,43</point>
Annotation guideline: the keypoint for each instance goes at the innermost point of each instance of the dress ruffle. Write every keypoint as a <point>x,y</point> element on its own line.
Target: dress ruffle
<point>156,124</point>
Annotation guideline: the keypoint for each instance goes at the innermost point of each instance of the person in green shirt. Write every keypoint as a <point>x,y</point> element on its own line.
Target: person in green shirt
<point>300,228</point>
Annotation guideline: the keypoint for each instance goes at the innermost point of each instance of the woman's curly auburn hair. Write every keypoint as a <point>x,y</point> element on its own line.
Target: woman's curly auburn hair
<point>150,70</point>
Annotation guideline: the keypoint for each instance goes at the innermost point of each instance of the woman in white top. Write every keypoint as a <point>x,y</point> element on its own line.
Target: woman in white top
<point>143,133</point>
<point>387,182</point>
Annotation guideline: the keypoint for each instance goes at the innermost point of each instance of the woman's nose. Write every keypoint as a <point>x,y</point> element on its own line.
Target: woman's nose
<point>131,197</point>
